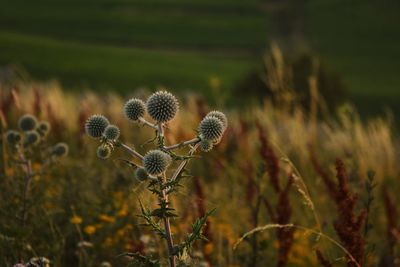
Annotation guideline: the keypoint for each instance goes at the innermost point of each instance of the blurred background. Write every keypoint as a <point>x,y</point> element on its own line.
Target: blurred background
<point>217,48</point>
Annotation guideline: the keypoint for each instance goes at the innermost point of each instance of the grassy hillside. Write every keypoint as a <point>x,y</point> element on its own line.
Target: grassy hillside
<point>123,44</point>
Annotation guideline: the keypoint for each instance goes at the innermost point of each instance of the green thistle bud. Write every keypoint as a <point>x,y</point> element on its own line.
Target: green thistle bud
<point>27,123</point>
<point>162,106</point>
<point>206,145</point>
<point>60,150</point>
<point>211,129</point>
<point>96,125</point>
<point>31,138</point>
<point>111,132</point>
<point>13,137</point>
<point>141,174</point>
<point>134,109</point>
<point>219,115</point>
<point>43,128</point>
<point>155,162</point>
<point>104,152</point>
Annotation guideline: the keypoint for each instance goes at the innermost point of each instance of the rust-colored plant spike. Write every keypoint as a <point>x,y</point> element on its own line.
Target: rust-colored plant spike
<point>392,229</point>
<point>283,210</point>
<point>321,259</point>
<point>348,224</point>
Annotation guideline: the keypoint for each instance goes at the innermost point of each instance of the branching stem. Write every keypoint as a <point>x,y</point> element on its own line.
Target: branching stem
<point>147,123</point>
<point>182,144</point>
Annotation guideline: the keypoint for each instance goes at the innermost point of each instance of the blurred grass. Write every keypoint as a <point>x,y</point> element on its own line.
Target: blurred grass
<point>123,44</point>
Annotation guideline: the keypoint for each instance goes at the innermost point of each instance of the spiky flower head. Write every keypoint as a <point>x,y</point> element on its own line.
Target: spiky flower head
<point>27,123</point>
<point>96,125</point>
<point>219,115</point>
<point>141,174</point>
<point>31,138</point>
<point>13,137</point>
<point>155,162</point>
<point>134,109</point>
<point>43,128</point>
<point>206,145</point>
<point>60,150</point>
<point>162,106</point>
<point>104,152</point>
<point>211,129</point>
<point>111,132</point>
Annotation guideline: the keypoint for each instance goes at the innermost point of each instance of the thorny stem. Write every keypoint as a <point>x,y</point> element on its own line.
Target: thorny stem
<point>145,122</point>
<point>184,162</point>
<point>167,226</point>
<point>182,144</point>
<point>131,151</point>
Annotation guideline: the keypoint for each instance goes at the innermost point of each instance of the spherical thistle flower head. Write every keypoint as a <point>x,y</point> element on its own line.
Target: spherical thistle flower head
<point>43,128</point>
<point>141,174</point>
<point>219,115</point>
<point>104,152</point>
<point>31,138</point>
<point>211,129</point>
<point>27,123</point>
<point>206,145</point>
<point>96,125</point>
<point>111,132</point>
<point>155,162</point>
<point>162,106</point>
<point>13,137</point>
<point>60,150</point>
<point>134,109</point>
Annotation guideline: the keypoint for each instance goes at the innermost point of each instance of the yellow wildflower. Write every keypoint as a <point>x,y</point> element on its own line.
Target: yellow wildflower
<point>75,220</point>
<point>89,229</point>
<point>106,218</point>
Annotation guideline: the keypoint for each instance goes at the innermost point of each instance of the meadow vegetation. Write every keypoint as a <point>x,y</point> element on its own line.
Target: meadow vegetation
<point>274,172</point>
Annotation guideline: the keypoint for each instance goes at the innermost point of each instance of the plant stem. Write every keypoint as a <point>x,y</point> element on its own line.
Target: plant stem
<point>185,143</point>
<point>131,151</point>
<point>145,122</point>
<point>27,167</point>
<point>167,226</point>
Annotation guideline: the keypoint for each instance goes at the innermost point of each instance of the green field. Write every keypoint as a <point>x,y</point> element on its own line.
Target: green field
<point>124,44</point>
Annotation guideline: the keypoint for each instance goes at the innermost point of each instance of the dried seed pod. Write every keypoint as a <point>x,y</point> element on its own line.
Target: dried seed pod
<point>96,125</point>
<point>27,123</point>
<point>134,109</point>
<point>211,129</point>
<point>111,132</point>
<point>155,162</point>
<point>162,106</point>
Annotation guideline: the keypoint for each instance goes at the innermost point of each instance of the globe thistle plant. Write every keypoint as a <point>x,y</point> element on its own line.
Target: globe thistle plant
<point>141,174</point>
<point>155,162</point>
<point>104,151</point>
<point>111,132</point>
<point>27,123</point>
<point>154,167</point>
<point>162,106</point>
<point>96,125</point>
<point>219,115</point>
<point>134,109</point>
<point>211,128</point>
<point>27,148</point>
